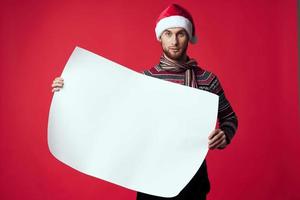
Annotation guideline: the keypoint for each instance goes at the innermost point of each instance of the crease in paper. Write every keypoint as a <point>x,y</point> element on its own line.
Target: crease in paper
<point>139,132</point>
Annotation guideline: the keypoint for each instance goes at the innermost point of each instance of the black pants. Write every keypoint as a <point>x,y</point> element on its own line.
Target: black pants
<point>181,196</point>
<point>196,189</point>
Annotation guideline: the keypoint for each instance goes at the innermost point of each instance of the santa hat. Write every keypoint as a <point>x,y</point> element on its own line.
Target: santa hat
<point>175,16</point>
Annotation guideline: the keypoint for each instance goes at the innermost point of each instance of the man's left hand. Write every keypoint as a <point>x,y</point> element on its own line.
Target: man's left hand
<point>217,139</point>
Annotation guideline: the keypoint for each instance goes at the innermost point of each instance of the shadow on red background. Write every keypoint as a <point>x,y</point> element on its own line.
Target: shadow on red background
<point>250,45</point>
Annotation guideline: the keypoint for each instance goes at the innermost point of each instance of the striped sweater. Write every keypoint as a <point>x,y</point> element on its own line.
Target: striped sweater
<point>209,82</point>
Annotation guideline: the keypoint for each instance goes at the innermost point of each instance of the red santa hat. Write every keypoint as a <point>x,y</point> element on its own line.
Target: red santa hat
<point>175,16</point>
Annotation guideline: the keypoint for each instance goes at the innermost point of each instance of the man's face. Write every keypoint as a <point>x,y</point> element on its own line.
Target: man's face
<point>174,42</point>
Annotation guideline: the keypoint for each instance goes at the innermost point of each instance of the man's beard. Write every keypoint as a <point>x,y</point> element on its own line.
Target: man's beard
<point>177,57</point>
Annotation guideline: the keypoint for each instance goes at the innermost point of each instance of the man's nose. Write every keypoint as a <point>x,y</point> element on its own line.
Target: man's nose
<point>174,40</point>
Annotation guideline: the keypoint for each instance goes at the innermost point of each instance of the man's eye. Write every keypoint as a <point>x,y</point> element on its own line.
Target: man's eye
<point>167,33</point>
<point>181,34</point>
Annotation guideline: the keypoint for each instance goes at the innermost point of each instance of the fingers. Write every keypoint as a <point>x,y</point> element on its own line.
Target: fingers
<point>55,89</point>
<point>213,133</point>
<point>57,84</point>
<point>221,144</point>
<point>58,80</point>
<point>217,139</point>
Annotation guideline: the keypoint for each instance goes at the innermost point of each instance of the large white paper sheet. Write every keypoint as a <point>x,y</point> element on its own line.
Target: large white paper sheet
<point>142,133</point>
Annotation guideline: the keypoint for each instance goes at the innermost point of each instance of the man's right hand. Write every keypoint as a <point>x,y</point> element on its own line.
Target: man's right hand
<point>57,84</point>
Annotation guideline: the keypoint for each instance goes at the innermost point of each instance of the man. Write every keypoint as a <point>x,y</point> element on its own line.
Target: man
<point>174,30</point>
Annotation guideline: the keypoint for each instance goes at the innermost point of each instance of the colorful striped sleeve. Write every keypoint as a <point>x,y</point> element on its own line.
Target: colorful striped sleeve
<point>227,118</point>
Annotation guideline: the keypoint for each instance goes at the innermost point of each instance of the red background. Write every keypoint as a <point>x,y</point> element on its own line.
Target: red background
<point>250,45</point>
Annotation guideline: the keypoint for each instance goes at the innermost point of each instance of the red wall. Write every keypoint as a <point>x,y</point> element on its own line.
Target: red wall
<point>250,45</point>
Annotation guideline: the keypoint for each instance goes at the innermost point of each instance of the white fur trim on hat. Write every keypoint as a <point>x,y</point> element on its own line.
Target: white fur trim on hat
<point>172,22</point>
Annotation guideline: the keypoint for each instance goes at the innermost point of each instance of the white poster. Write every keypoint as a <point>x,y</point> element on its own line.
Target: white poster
<point>139,132</point>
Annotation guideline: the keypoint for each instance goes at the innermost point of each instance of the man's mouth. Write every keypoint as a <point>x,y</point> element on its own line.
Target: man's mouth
<point>174,49</point>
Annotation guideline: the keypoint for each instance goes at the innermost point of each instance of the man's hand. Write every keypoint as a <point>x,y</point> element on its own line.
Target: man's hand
<point>57,84</point>
<point>217,139</point>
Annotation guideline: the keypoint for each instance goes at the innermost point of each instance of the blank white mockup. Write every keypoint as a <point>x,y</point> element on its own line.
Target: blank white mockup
<point>136,131</point>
